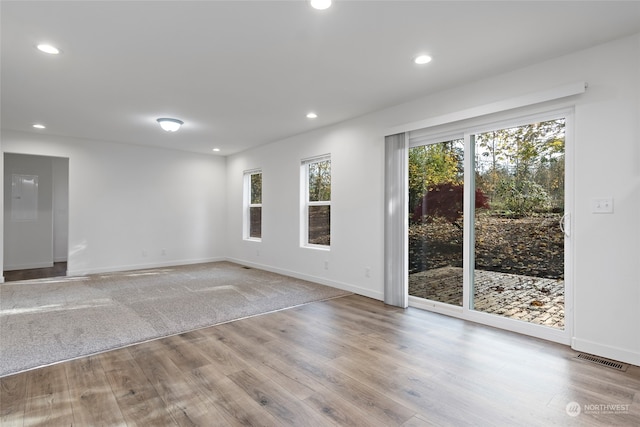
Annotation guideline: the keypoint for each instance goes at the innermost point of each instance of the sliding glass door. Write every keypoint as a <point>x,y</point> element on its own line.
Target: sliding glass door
<point>436,194</point>
<point>519,242</point>
<point>489,242</point>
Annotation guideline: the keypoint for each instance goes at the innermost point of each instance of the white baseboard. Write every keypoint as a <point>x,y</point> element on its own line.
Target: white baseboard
<point>129,267</point>
<point>1,279</point>
<point>28,266</point>
<point>609,352</point>
<point>320,280</point>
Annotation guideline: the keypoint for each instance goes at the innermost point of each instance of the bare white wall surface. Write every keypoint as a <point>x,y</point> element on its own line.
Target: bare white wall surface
<point>28,200</point>
<point>134,207</point>
<point>355,259</point>
<point>606,252</point>
<point>2,215</point>
<point>60,208</point>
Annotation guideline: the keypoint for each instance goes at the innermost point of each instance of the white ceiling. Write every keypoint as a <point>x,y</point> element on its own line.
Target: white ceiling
<point>242,73</point>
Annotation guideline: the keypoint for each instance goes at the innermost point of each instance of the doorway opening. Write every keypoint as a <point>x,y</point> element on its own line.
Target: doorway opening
<point>36,204</point>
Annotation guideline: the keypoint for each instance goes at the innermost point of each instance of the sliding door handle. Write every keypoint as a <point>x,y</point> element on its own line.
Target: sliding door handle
<point>565,224</point>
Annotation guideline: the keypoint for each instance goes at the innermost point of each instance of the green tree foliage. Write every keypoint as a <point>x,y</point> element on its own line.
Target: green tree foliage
<point>256,188</point>
<point>519,169</point>
<point>522,197</point>
<point>521,166</point>
<point>431,165</point>
<point>522,149</point>
<point>320,181</point>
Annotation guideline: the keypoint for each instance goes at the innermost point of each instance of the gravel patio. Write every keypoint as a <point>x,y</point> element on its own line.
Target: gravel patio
<point>530,299</point>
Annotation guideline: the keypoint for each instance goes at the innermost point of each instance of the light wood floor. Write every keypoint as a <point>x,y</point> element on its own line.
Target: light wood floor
<point>347,361</point>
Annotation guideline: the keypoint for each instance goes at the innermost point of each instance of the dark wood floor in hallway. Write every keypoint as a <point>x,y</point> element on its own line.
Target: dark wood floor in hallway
<point>348,361</point>
<point>59,269</point>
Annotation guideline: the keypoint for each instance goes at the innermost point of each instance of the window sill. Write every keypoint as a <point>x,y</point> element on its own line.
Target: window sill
<point>317,247</point>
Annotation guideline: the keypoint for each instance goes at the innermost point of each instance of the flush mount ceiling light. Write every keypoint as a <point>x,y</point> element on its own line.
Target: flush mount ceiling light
<point>216,149</point>
<point>422,59</point>
<point>39,126</point>
<point>320,4</point>
<point>312,116</point>
<point>47,48</point>
<point>170,125</point>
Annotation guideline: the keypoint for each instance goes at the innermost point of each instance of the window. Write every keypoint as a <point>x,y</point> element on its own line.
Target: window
<point>316,174</point>
<point>253,205</point>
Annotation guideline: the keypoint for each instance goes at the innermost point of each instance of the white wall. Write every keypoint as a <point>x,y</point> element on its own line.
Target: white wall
<point>127,203</point>
<point>607,164</point>
<point>60,208</point>
<point>1,215</point>
<point>28,242</point>
<point>356,240</point>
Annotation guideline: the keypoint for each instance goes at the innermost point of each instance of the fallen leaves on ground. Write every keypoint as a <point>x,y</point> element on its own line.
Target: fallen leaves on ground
<point>528,246</point>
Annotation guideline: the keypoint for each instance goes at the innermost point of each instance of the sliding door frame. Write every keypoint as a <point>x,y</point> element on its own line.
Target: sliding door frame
<point>468,129</point>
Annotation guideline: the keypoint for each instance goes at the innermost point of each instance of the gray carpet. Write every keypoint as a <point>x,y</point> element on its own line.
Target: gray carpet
<point>47,321</point>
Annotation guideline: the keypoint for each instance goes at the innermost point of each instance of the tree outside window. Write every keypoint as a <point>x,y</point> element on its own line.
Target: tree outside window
<point>253,202</point>
<point>318,201</point>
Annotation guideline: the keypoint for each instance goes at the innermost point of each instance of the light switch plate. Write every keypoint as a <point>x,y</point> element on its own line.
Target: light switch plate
<point>603,205</point>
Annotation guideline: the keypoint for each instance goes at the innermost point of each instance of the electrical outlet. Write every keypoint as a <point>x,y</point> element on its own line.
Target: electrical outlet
<point>326,265</point>
<point>163,251</point>
<point>602,205</point>
<point>367,272</point>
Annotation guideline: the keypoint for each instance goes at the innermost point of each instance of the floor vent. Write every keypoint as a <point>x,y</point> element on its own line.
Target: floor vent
<point>246,268</point>
<point>604,362</point>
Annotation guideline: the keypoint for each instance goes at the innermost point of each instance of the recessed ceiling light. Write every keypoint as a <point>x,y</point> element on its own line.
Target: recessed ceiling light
<point>312,116</point>
<point>170,125</point>
<point>320,4</point>
<point>422,59</point>
<point>216,149</point>
<point>39,126</point>
<point>47,48</point>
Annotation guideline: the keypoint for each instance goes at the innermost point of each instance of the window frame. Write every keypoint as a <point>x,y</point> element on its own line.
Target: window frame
<point>246,221</point>
<point>306,203</point>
